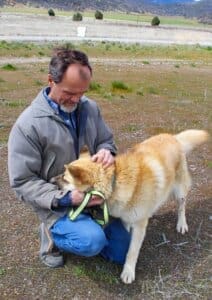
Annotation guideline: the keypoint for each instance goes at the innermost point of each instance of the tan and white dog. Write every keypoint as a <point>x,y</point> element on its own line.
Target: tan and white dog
<point>138,183</point>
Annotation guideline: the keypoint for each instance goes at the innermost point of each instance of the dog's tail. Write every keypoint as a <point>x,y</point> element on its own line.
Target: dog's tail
<point>189,139</point>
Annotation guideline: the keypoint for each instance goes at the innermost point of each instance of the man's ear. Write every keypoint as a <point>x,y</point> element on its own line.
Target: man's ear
<point>84,152</point>
<point>50,80</point>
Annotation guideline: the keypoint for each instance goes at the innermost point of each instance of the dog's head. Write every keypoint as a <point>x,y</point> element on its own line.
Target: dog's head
<point>79,174</point>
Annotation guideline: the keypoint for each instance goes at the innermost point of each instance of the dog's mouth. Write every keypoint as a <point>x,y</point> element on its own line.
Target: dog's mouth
<point>60,181</point>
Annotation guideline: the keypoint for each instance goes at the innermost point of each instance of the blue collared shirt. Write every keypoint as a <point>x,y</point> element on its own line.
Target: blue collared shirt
<point>70,121</point>
<point>68,118</point>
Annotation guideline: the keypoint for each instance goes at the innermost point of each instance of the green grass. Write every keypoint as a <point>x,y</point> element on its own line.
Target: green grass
<point>120,85</point>
<point>112,49</point>
<point>145,62</point>
<point>9,67</point>
<point>94,86</point>
<point>14,103</point>
<point>152,90</point>
<point>131,128</point>
<point>39,82</point>
<point>96,272</point>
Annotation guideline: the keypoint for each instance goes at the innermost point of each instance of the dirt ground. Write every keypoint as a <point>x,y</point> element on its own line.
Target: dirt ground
<point>163,98</point>
<point>29,27</point>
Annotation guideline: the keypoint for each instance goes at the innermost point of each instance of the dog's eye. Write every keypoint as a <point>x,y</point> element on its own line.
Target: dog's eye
<point>63,178</point>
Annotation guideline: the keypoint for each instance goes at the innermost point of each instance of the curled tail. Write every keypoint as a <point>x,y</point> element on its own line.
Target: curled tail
<point>189,139</point>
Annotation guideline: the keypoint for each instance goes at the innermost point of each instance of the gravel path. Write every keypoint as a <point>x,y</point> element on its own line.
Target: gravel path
<point>102,61</point>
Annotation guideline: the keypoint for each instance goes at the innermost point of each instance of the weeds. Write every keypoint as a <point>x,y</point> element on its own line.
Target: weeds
<point>14,103</point>
<point>152,90</point>
<point>119,85</point>
<point>9,67</point>
<point>131,128</point>
<point>145,62</point>
<point>94,86</point>
<point>39,82</point>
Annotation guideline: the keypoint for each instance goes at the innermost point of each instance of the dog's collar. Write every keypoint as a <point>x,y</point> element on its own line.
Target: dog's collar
<point>73,214</point>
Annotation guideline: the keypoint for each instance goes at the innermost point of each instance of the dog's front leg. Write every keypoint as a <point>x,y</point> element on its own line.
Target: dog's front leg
<point>138,234</point>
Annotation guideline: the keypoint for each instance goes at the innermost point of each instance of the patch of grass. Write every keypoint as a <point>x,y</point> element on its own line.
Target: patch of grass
<point>41,53</point>
<point>120,85</point>
<point>208,163</point>
<point>107,47</point>
<point>96,272</point>
<point>108,96</point>
<point>152,90</point>
<point>79,271</point>
<point>2,271</point>
<point>39,82</point>
<point>2,80</point>
<point>113,50</point>
<point>140,92</point>
<point>9,67</point>
<point>145,62</point>
<point>131,128</point>
<point>14,103</point>
<point>94,86</point>
<point>193,65</point>
<point>177,66</point>
<point>3,140</point>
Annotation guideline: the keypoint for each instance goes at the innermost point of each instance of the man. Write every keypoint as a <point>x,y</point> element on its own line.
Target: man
<point>50,133</point>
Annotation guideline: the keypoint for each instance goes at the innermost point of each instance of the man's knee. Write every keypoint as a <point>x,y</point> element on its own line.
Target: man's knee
<point>89,243</point>
<point>93,243</point>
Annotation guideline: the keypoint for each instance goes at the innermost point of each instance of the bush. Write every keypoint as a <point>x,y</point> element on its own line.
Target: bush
<point>155,21</point>
<point>119,85</point>
<point>51,12</point>
<point>77,17</point>
<point>98,15</point>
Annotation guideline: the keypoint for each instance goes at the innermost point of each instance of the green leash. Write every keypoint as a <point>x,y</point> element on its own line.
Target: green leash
<point>73,214</point>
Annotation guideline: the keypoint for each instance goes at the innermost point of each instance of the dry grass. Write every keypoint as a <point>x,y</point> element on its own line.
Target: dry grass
<point>170,266</point>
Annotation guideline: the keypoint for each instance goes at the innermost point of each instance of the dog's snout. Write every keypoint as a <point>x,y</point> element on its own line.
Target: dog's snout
<point>55,179</point>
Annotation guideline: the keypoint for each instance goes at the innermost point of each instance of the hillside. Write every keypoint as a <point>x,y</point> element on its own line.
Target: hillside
<point>186,8</point>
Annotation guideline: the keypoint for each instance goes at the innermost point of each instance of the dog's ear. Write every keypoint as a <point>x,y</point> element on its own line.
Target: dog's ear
<point>84,152</point>
<point>79,173</point>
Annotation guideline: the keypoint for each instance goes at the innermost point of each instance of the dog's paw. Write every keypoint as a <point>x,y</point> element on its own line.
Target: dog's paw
<point>128,275</point>
<point>182,226</point>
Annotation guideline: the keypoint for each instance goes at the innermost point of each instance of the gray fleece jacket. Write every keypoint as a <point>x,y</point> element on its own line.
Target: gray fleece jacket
<point>40,143</point>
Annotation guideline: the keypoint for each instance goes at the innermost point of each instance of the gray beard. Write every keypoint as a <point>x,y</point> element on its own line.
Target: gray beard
<point>68,109</point>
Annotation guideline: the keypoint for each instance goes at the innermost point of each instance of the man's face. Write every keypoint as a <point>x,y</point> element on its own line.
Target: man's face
<point>74,84</point>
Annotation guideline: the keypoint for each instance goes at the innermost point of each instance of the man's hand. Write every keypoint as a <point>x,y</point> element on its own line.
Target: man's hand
<point>77,198</point>
<point>103,156</point>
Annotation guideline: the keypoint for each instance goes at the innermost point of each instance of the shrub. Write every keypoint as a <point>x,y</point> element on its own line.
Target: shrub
<point>155,21</point>
<point>51,12</point>
<point>9,67</point>
<point>94,86</point>
<point>77,17</point>
<point>98,15</point>
<point>119,85</point>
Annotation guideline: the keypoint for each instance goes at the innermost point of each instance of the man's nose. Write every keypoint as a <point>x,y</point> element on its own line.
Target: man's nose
<point>76,98</point>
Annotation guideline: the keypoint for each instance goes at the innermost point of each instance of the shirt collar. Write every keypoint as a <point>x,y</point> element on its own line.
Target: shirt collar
<point>53,104</point>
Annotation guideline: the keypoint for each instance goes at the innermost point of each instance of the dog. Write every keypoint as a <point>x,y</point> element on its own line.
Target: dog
<point>138,183</point>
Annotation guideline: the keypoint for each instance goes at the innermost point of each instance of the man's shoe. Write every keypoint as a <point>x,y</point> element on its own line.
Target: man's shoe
<point>49,254</point>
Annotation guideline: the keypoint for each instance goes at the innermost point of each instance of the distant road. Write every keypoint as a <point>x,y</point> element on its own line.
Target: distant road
<point>40,28</point>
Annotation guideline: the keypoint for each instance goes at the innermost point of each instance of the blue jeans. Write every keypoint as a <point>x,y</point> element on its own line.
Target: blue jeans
<point>85,237</point>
